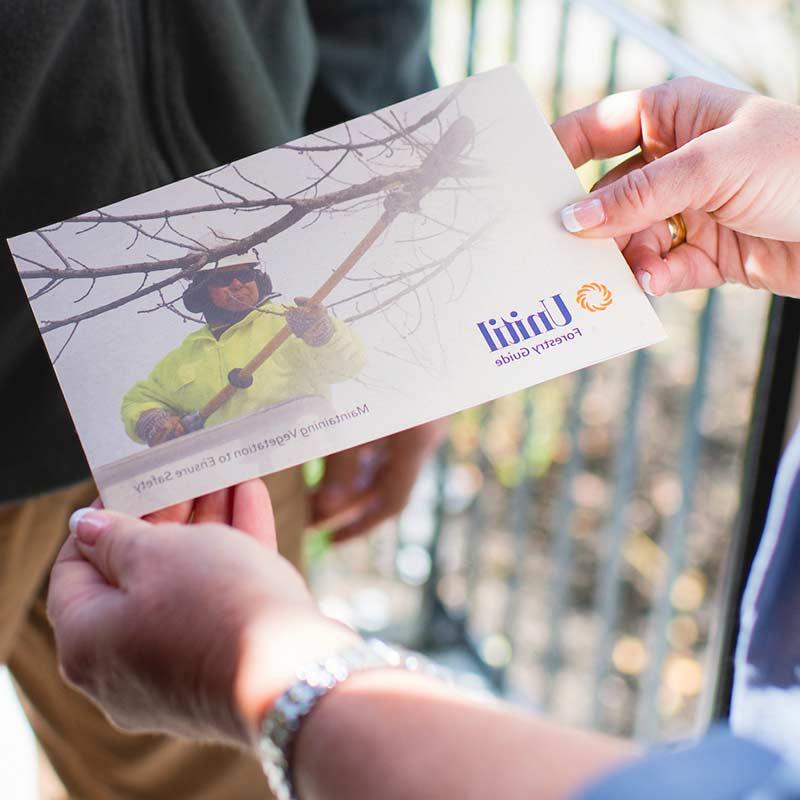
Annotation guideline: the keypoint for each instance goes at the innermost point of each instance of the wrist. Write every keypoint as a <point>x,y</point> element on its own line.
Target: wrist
<point>364,732</point>
<point>314,682</point>
<point>274,649</point>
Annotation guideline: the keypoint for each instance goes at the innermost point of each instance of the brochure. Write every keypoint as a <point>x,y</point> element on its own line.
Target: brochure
<point>331,291</point>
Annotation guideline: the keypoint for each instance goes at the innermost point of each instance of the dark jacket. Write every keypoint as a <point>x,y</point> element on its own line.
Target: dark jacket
<point>103,99</point>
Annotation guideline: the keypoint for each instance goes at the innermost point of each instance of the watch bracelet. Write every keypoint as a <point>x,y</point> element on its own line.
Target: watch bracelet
<point>281,726</point>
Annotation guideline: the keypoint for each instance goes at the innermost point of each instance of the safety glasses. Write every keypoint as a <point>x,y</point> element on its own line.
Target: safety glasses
<point>220,278</point>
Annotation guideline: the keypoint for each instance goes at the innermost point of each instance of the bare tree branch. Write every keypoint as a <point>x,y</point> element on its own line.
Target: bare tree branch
<point>421,122</point>
<point>432,269</point>
<point>60,255</point>
<point>66,342</point>
<point>219,188</point>
<point>301,207</point>
<point>48,326</point>
<point>252,182</point>
<point>373,183</point>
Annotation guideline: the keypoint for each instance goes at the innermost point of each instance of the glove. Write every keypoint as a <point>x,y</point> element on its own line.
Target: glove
<point>311,323</point>
<point>158,426</point>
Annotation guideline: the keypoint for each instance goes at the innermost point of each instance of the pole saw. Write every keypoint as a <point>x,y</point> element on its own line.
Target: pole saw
<point>433,169</point>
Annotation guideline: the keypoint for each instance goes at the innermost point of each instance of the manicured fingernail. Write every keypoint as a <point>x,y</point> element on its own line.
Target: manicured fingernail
<point>583,215</point>
<point>644,281</point>
<point>87,524</point>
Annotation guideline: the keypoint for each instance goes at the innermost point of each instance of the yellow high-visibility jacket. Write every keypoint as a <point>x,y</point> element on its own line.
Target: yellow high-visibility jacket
<point>188,377</point>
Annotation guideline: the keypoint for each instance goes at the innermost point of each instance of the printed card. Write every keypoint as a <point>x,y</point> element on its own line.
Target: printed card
<point>328,292</point>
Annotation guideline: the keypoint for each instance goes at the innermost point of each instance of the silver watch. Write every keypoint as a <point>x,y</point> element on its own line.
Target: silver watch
<point>280,727</point>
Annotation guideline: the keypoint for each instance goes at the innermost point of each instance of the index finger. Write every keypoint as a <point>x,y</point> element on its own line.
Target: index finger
<point>251,512</point>
<point>608,128</point>
<point>180,513</point>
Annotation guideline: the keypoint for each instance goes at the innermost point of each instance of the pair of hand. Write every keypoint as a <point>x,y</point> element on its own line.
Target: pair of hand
<point>166,625</point>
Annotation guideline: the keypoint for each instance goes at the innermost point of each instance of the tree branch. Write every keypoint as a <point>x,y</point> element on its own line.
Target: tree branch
<point>421,122</point>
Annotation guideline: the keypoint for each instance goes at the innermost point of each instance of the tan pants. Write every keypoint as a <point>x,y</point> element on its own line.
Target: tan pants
<point>94,760</point>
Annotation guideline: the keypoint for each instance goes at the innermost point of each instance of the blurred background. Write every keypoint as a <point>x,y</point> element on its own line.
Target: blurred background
<point>568,547</point>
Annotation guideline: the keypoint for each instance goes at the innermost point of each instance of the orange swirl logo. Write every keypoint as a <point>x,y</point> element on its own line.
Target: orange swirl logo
<point>594,297</point>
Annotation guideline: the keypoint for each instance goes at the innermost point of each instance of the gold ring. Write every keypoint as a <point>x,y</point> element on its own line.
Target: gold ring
<point>677,230</point>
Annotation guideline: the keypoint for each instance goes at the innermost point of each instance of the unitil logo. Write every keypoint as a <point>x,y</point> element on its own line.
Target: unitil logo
<point>594,297</point>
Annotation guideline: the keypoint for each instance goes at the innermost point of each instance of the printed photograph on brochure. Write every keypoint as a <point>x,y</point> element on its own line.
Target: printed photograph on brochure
<point>329,291</point>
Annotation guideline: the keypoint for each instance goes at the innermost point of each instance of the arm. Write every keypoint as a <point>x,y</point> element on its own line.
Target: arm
<point>395,735</point>
<point>126,599</point>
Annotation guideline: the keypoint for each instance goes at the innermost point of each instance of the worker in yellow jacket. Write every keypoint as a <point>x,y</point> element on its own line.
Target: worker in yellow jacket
<point>235,300</point>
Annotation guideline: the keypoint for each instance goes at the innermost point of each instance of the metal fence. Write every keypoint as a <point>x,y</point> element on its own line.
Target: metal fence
<point>568,542</point>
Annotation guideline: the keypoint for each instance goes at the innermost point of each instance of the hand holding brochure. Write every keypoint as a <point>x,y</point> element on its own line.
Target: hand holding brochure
<point>353,283</point>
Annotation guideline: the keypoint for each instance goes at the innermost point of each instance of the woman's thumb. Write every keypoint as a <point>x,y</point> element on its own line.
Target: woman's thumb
<point>643,196</point>
<point>108,541</point>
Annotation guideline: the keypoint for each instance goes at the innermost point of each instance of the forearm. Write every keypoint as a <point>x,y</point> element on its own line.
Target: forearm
<point>391,734</point>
